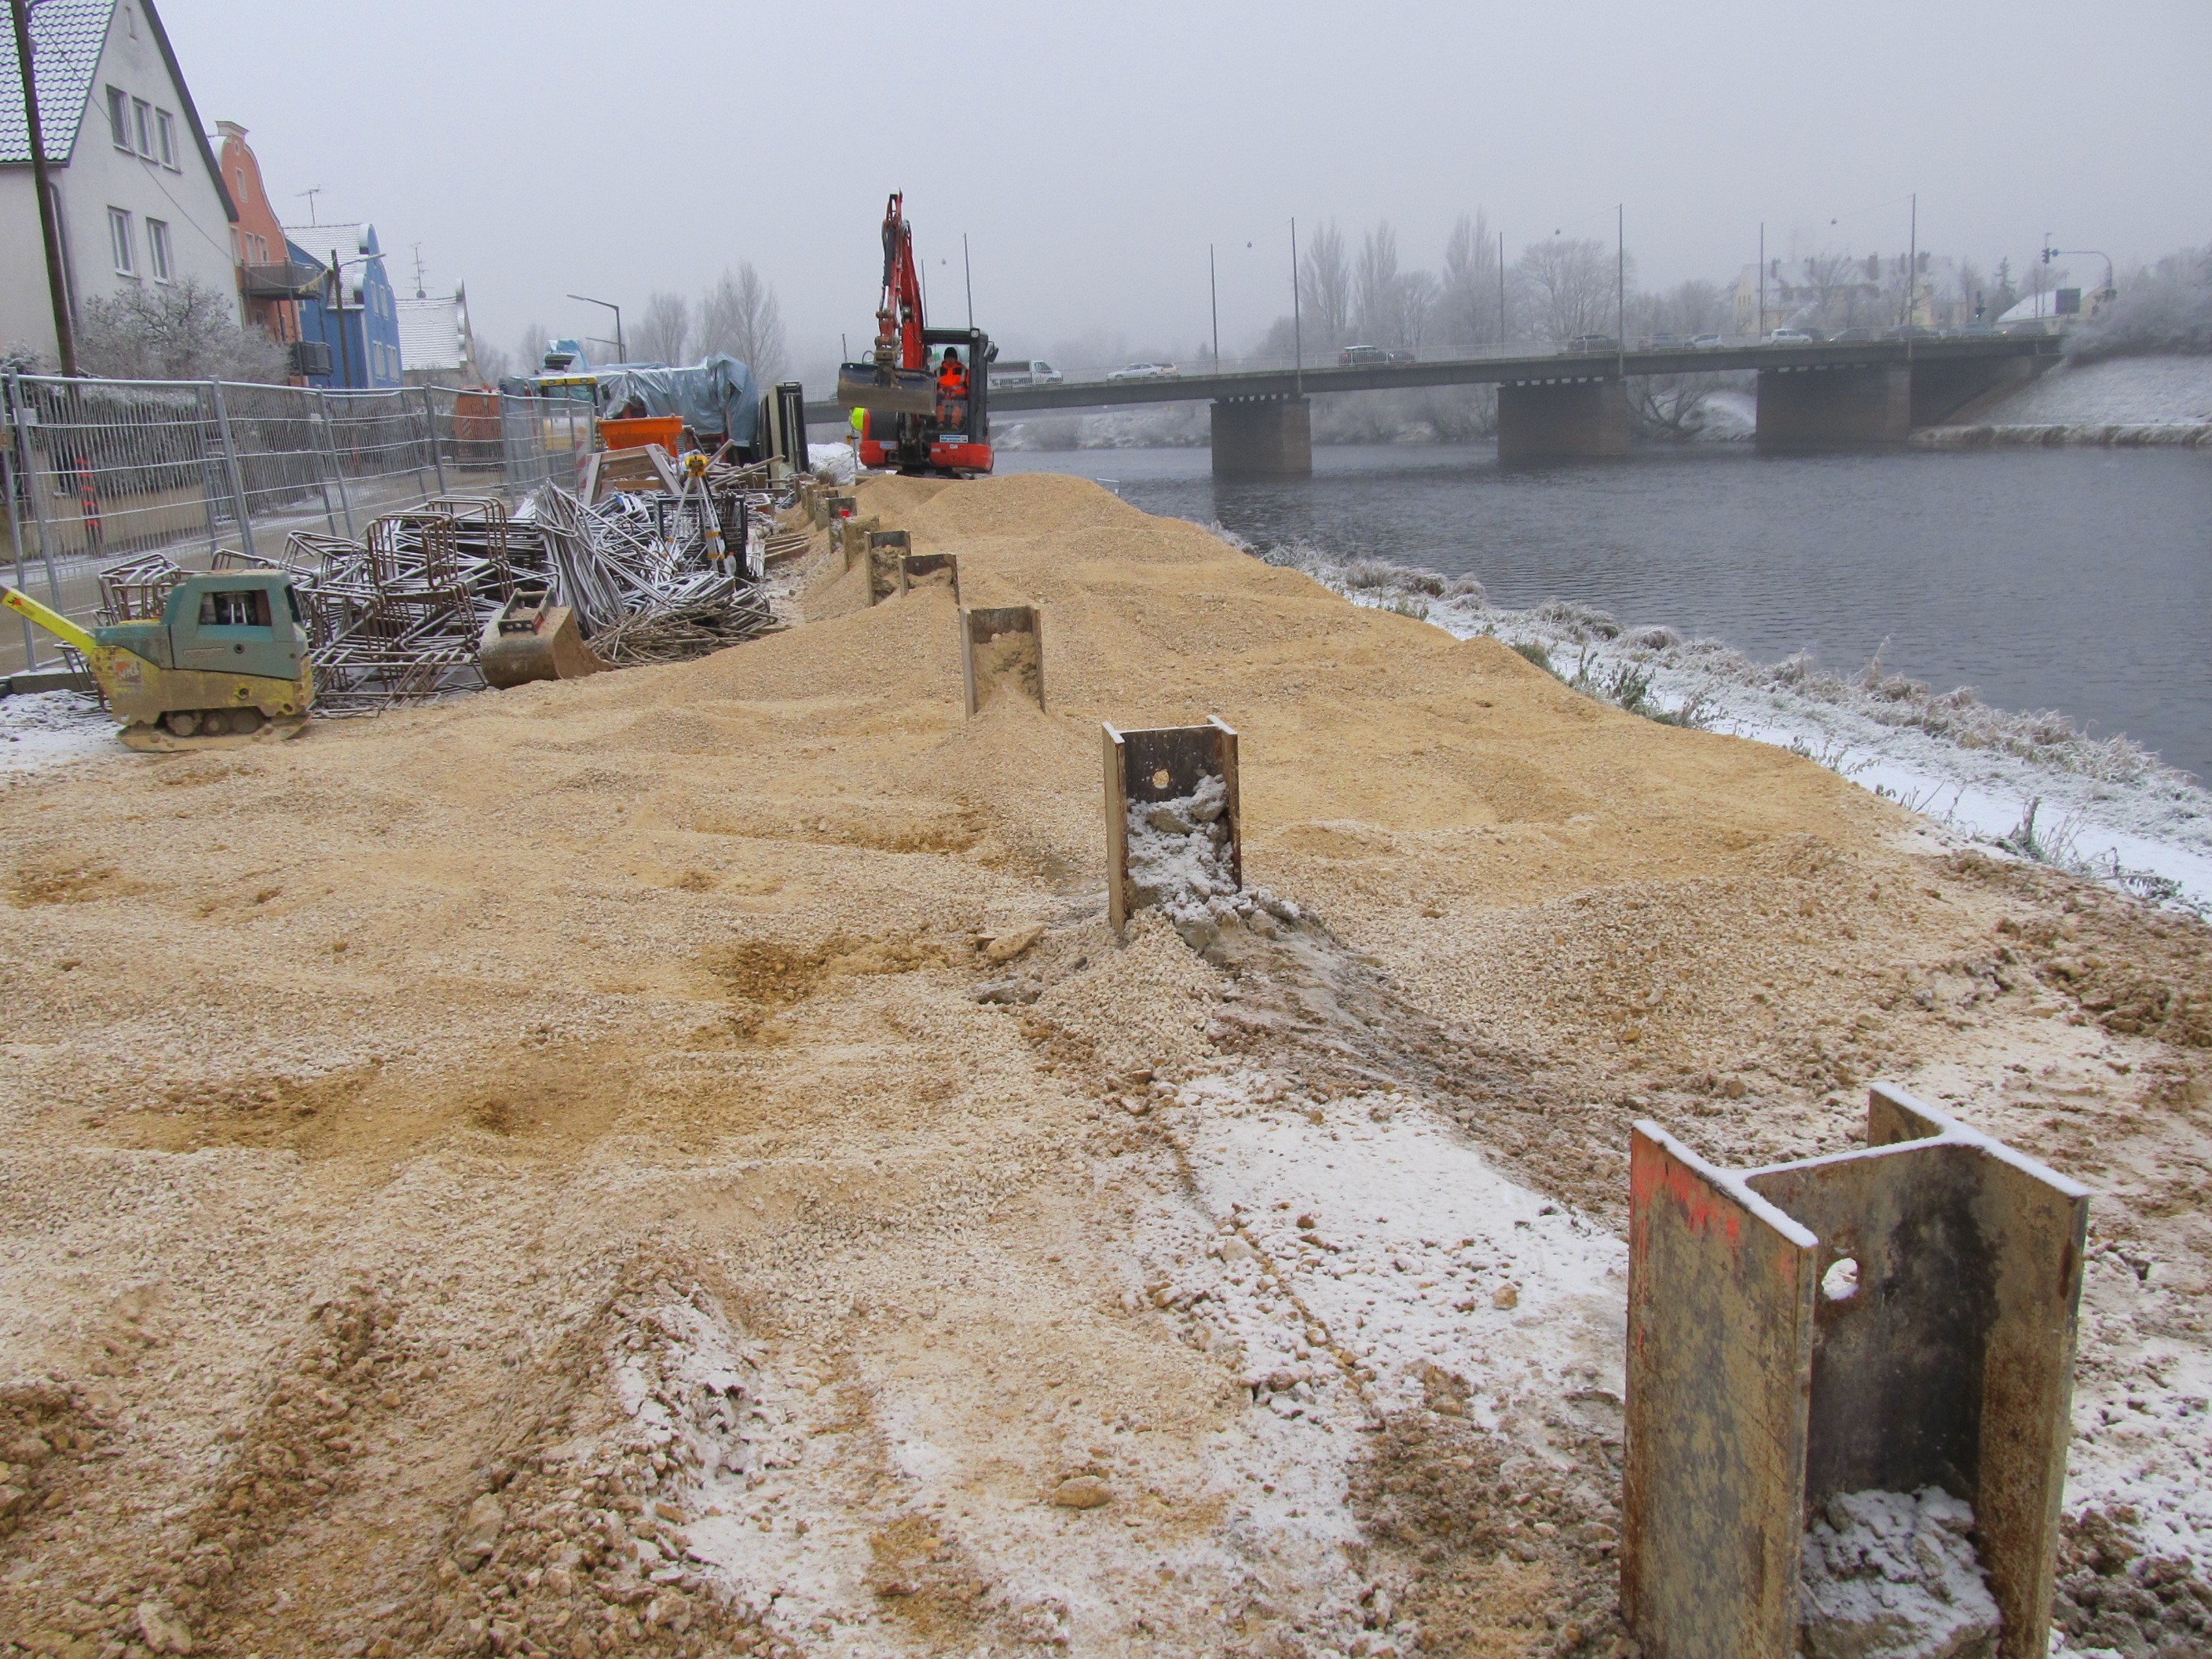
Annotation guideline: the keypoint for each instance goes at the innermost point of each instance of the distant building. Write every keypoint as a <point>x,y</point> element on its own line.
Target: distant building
<point>269,283</point>
<point>436,346</point>
<point>1833,292</point>
<point>357,316</point>
<point>139,195</point>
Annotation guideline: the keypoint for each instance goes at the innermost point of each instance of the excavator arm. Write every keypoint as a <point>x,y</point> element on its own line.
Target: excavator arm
<point>898,320</point>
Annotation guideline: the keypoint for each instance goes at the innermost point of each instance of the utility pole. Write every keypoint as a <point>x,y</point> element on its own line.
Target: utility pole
<point>1501,288</point>
<point>338,305</point>
<point>1214,294</point>
<point>49,227</point>
<point>1912,277</point>
<point>1762,279</point>
<point>1297,325</point>
<point>1620,284</point>
<point>968,275</point>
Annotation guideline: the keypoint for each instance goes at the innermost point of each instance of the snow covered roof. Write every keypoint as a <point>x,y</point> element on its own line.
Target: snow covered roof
<point>67,36</point>
<point>434,332</point>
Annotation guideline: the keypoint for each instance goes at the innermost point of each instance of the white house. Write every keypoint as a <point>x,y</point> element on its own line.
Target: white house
<point>436,345</point>
<point>140,195</point>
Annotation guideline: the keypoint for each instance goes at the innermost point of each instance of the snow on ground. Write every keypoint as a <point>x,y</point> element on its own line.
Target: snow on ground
<point>41,729</point>
<point>2115,392</point>
<point>2099,808</point>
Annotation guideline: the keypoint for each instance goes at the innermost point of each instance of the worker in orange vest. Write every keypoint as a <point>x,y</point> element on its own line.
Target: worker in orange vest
<point>952,392</point>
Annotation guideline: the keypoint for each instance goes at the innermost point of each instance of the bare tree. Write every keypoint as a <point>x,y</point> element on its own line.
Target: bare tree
<point>493,363</point>
<point>663,334</point>
<point>173,332</point>
<point>1416,292</point>
<point>530,350</point>
<point>1375,287</point>
<point>1469,299</point>
<point>1568,286</point>
<point>1326,283</point>
<point>739,315</point>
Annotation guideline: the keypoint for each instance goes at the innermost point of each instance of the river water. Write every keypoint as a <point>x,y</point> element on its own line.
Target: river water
<point>2079,580</point>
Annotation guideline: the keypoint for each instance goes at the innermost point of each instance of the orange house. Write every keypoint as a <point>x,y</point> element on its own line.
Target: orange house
<point>268,281</point>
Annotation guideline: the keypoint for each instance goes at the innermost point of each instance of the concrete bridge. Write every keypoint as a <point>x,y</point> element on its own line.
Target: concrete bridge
<point>1574,406</point>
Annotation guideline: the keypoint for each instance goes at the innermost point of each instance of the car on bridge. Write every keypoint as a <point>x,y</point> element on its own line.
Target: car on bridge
<point>1790,336</point>
<point>1707,343</point>
<point>1583,343</point>
<point>1355,356</point>
<point>1146,372</point>
<point>1665,343</point>
<point>1020,371</point>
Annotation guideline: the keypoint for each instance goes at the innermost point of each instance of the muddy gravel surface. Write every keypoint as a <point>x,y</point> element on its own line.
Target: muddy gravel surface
<point>677,1163</point>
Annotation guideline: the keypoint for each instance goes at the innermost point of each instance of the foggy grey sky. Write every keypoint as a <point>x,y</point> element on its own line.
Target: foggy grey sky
<point>539,146</point>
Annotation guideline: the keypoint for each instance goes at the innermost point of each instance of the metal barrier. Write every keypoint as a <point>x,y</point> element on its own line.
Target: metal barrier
<point>95,471</point>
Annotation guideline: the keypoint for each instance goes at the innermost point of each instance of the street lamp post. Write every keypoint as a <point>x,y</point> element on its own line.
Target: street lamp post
<point>622,348</point>
<point>1213,296</point>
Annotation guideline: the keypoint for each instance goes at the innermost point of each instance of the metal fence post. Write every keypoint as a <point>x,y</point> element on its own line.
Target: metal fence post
<point>11,473</point>
<point>238,505</point>
<point>430,424</point>
<point>37,507</point>
<point>330,452</point>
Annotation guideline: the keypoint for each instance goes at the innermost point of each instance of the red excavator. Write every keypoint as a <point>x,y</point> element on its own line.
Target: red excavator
<point>913,419</point>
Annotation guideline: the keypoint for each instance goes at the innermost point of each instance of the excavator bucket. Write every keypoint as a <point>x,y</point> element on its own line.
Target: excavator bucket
<point>534,639</point>
<point>886,391</point>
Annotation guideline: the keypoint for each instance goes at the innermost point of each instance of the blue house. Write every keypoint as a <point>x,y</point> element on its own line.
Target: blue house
<point>362,329</point>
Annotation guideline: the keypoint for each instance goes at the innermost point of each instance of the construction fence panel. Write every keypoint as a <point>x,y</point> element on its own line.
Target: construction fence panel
<point>95,471</point>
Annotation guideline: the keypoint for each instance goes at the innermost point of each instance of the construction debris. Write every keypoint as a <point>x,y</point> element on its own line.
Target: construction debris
<point>405,613</point>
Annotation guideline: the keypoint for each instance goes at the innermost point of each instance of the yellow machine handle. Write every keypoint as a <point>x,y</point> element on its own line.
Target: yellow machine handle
<point>53,622</point>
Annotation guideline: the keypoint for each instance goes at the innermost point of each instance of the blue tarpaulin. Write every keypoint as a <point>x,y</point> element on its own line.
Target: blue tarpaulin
<point>717,395</point>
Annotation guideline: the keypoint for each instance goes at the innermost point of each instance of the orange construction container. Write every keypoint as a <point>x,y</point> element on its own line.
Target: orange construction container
<point>666,430</point>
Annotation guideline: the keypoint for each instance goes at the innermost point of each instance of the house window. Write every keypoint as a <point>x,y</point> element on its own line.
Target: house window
<point>164,136</point>
<point>118,237</point>
<point>143,119</point>
<point>157,248</point>
<point>118,117</point>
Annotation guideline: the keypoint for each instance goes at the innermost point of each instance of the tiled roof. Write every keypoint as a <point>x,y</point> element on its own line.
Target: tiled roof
<point>66,38</point>
<point>430,333</point>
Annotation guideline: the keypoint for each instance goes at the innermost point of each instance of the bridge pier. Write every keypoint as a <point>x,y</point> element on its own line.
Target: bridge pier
<point>1263,438</point>
<point>1562,420</point>
<point>1860,407</point>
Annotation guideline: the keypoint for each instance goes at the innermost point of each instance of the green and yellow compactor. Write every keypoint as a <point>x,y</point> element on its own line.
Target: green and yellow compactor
<point>225,665</point>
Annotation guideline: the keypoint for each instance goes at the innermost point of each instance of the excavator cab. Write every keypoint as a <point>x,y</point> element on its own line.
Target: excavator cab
<point>953,439</point>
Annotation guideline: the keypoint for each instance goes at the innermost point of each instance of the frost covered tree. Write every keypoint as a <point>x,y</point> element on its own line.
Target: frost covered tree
<point>1375,287</point>
<point>739,315</point>
<point>1325,288</point>
<point>663,334</point>
<point>173,332</point>
<point>1468,298</point>
<point>1567,283</point>
<point>2164,311</point>
<point>530,350</point>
